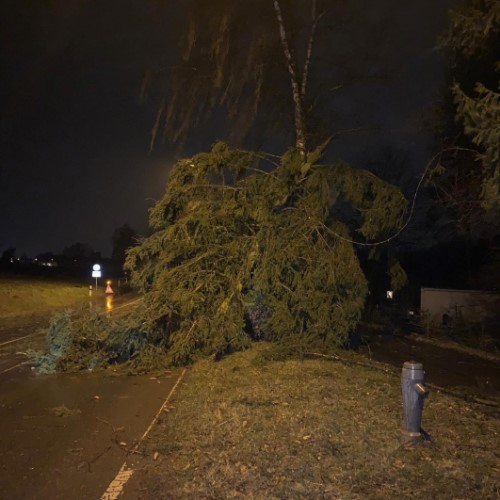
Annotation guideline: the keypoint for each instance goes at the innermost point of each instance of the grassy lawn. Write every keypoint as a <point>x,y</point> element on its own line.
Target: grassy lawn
<point>29,296</point>
<point>251,427</point>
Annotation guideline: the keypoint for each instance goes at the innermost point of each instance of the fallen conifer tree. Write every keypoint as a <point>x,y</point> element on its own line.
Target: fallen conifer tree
<point>241,251</point>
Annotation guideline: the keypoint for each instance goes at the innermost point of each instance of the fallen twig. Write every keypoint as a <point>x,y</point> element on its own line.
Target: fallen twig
<point>328,356</point>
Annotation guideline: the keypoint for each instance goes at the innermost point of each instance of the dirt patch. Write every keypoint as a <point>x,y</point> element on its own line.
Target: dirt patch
<point>249,428</point>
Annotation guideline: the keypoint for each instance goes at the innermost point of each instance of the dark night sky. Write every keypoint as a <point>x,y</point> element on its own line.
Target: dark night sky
<point>74,161</point>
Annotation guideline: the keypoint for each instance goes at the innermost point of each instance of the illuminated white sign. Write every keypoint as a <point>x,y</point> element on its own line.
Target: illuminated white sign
<point>96,271</point>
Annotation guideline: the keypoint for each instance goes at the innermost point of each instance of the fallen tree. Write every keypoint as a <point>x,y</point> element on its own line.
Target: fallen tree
<point>242,251</point>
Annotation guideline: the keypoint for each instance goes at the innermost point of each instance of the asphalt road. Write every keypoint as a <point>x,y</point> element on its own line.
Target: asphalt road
<point>67,435</point>
<point>447,368</point>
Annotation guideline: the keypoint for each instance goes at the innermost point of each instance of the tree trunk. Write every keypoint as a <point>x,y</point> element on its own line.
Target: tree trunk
<point>299,122</point>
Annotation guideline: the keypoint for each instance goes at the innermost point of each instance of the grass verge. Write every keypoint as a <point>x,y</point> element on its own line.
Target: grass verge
<point>251,427</point>
<point>24,296</point>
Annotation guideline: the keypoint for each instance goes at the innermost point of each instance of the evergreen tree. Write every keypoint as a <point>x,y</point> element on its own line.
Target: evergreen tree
<point>471,186</point>
<point>241,252</point>
<point>123,238</point>
<point>247,245</point>
<point>467,180</point>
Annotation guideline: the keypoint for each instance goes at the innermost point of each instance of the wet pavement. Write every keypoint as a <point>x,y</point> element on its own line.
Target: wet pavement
<point>447,368</point>
<point>67,435</point>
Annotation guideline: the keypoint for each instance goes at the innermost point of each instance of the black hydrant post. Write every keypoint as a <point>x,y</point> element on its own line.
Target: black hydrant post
<point>414,391</point>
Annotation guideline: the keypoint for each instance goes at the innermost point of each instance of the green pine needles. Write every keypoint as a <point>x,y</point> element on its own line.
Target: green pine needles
<point>474,35</point>
<point>480,115</point>
<point>241,252</point>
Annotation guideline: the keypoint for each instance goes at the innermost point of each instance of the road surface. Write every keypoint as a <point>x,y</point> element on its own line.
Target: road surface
<point>68,435</point>
<point>443,367</point>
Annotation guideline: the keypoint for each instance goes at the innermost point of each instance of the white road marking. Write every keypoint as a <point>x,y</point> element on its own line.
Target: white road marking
<point>115,488</point>
<point>13,367</point>
<point>18,338</point>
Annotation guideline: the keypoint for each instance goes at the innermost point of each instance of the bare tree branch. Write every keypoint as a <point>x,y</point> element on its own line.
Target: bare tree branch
<point>156,126</point>
<point>315,19</point>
